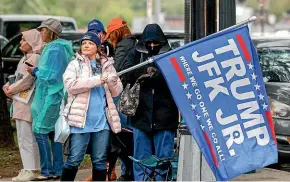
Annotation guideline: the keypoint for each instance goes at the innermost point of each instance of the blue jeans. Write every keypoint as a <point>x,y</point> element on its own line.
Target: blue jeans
<point>49,168</point>
<point>78,146</point>
<point>160,144</point>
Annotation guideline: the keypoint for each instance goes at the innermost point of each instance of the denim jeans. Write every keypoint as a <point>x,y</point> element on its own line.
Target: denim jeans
<point>160,144</point>
<point>78,147</point>
<point>49,167</point>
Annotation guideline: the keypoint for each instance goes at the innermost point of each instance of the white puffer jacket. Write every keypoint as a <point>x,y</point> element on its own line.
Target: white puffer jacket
<point>79,81</point>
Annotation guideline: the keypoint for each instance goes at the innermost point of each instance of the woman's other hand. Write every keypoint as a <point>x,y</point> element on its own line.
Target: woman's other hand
<point>151,70</point>
<point>104,78</point>
<point>6,91</point>
<point>30,70</point>
<point>112,78</point>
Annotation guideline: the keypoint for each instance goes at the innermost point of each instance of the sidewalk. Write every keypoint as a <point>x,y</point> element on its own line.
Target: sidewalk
<point>264,174</point>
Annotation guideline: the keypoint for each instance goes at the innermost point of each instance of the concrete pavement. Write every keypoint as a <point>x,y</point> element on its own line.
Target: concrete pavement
<point>265,174</point>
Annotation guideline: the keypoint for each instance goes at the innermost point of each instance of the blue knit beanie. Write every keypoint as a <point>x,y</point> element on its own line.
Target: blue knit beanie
<point>96,25</point>
<point>92,36</point>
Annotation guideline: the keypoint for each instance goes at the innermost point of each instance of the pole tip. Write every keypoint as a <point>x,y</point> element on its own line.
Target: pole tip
<point>253,18</point>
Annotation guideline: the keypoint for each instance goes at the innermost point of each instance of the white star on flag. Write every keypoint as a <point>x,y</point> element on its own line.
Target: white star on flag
<point>250,66</point>
<point>257,86</point>
<point>254,77</point>
<point>189,95</point>
<point>184,85</point>
<point>202,127</point>
<point>265,106</point>
<point>193,106</point>
<point>198,117</point>
<point>261,97</point>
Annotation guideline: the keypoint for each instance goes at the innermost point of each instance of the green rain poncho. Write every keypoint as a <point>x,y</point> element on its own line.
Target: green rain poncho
<point>49,85</point>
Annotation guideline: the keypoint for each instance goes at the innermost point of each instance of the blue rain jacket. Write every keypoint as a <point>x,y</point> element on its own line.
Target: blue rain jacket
<point>49,85</point>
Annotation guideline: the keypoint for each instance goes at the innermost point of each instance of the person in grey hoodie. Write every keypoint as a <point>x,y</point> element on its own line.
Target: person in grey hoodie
<point>31,45</point>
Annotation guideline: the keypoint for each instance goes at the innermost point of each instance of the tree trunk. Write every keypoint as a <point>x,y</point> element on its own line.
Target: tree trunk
<point>6,131</point>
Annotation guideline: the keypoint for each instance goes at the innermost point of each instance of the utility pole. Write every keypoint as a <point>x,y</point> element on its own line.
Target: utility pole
<point>262,15</point>
<point>157,11</point>
<point>149,11</point>
<point>227,14</point>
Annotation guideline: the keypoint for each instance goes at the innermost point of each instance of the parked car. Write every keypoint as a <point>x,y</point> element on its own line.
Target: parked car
<point>11,53</point>
<point>274,57</point>
<point>3,41</point>
<point>11,25</point>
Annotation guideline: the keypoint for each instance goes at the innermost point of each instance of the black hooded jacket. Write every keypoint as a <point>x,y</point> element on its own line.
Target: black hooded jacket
<point>122,50</point>
<point>156,109</point>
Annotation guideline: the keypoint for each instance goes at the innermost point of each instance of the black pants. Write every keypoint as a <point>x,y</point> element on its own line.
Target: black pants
<point>122,146</point>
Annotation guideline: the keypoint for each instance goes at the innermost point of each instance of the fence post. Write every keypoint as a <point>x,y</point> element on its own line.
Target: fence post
<point>192,166</point>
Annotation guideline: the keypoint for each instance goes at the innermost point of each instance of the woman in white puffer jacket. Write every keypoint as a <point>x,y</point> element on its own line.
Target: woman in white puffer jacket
<point>91,82</point>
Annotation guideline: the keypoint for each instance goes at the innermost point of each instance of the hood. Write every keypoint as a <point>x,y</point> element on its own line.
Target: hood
<point>152,32</point>
<point>64,43</point>
<point>33,38</point>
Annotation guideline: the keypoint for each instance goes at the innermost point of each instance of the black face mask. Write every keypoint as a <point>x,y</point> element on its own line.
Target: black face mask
<point>153,50</point>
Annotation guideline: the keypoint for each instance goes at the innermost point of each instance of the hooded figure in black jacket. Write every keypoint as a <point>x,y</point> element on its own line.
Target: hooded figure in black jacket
<point>156,118</point>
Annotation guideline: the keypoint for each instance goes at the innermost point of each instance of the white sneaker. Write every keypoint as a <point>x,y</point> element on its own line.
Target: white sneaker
<point>25,175</point>
<point>19,175</point>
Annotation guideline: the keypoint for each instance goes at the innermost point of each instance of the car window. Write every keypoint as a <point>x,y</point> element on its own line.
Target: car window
<point>3,42</point>
<point>175,43</point>
<point>68,26</point>
<point>12,48</point>
<point>13,28</point>
<point>275,64</point>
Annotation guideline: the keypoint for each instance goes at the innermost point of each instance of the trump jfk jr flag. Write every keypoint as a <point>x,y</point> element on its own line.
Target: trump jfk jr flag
<point>217,84</point>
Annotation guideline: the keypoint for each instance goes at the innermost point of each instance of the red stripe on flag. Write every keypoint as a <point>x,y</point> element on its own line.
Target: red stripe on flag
<point>271,124</point>
<point>244,47</point>
<point>211,149</point>
<point>177,69</point>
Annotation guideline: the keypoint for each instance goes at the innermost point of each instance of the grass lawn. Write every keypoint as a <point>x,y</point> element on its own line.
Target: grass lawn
<point>11,162</point>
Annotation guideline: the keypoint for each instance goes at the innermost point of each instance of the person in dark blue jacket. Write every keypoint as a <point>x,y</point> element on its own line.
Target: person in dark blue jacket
<point>156,119</point>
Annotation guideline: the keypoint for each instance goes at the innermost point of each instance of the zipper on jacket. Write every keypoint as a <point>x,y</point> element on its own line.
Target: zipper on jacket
<point>152,108</point>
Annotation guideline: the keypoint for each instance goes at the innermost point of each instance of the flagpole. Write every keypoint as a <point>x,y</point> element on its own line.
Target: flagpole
<point>150,60</point>
<point>247,21</point>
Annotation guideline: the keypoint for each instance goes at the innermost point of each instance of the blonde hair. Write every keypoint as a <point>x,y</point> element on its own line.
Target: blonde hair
<point>117,35</point>
<point>51,35</point>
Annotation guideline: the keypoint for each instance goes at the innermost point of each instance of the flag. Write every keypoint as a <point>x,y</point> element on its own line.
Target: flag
<point>218,87</point>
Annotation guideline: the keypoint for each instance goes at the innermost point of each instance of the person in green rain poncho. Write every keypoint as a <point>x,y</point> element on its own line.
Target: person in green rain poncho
<point>48,96</point>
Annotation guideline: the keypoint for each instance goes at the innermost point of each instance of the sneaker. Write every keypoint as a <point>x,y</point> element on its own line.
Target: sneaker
<point>27,175</point>
<point>21,172</point>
